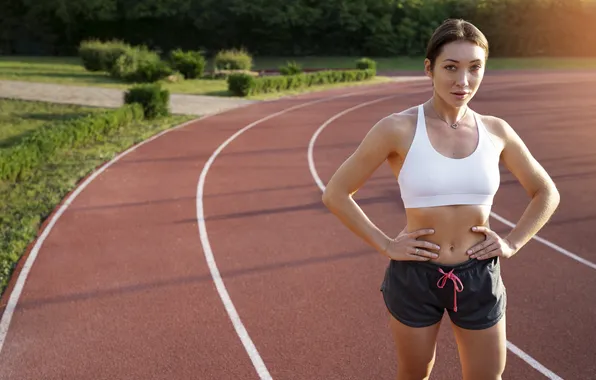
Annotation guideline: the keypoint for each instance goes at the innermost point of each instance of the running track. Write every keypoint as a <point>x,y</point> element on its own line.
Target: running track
<point>121,287</point>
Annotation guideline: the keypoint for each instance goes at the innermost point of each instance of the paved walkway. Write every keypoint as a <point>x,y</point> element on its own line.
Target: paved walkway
<point>110,97</point>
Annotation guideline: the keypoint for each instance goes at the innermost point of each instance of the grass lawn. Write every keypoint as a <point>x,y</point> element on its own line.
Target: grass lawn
<point>18,118</point>
<point>24,205</point>
<point>68,70</point>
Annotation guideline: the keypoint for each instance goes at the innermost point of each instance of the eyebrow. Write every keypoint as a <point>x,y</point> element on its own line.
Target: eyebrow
<point>453,60</point>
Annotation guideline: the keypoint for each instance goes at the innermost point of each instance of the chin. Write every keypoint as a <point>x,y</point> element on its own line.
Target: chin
<point>456,101</point>
<point>461,103</point>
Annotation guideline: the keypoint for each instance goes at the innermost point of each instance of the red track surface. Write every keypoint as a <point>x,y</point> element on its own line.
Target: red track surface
<point>121,288</point>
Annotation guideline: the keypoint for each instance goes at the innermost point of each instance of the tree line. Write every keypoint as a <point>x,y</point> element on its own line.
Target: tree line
<point>297,27</point>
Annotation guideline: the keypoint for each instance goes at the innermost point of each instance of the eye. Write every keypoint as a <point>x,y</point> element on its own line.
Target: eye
<point>476,67</point>
<point>451,67</point>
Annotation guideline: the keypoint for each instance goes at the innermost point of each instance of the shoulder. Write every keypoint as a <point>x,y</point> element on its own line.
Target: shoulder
<point>495,125</point>
<point>398,126</point>
<point>516,156</point>
<point>390,134</point>
<point>404,119</point>
<point>501,131</point>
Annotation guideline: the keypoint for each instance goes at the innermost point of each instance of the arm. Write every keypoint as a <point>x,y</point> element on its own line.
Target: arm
<point>537,183</point>
<point>374,149</point>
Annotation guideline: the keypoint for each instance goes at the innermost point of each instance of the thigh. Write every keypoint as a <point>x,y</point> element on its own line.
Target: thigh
<point>482,352</point>
<point>416,347</point>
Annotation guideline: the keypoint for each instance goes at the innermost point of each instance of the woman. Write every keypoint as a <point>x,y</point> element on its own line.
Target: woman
<point>446,159</point>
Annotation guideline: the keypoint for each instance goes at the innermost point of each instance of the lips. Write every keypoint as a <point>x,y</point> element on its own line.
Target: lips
<point>460,95</point>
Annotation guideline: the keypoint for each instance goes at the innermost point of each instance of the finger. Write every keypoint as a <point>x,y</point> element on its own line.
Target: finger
<point>480,246</point>
<point>417,258</point>
<point>485,250</point>
<point>425,244</point>
<point>485,230</point>
<point>413,256</point>
<point>488,253</point>
<point>422,253</point>
<point>418,233</point>
<point>488,256</point>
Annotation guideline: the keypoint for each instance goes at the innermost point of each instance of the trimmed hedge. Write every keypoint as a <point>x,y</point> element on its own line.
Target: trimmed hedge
<point>16,162</point>
<point>224,74</point>
<point>140,65</point>
<point>233,59</point>
<point>190,63</point>
<point>154,100</point>
<point>101,56</point>
<point>123,61</point>
<point>366,64</point>
<point>290,68</point>
<point>243,84</point>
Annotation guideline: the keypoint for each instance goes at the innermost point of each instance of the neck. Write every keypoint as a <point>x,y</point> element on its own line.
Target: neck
<point>446,111</point>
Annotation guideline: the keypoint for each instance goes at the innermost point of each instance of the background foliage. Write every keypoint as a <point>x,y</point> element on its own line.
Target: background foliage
<point>296,27</point>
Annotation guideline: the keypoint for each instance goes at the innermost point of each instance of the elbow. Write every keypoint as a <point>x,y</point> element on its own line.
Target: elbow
<point>552,196</point>
<point>555,197</point>
<point>330,198</point>
<point>327,198</point>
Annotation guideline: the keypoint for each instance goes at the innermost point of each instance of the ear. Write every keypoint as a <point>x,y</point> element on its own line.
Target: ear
<point>427,68</point>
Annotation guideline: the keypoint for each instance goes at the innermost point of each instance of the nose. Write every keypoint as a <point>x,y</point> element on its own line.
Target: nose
<point>462,79</point>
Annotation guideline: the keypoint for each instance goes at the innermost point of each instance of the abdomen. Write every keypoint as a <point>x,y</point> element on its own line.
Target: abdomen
<point>453,228</point>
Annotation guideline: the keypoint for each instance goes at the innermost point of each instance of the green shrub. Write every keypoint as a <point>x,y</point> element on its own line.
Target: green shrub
<point>92,55</point>
<point>224,74</point>
<point>291,68</point>
<point>234,59</point>
<point>240,84</point>
<point>149,71</point>
<point>243,85</point>
<point>297,81</point>
<point>190,63</point>
<point>101,56</point>
<point>152,97</point>
<point>274,83</point>
<point>125,66</point>
<point>17,161</point>
<point>140,65</point>
<point>366,64</point>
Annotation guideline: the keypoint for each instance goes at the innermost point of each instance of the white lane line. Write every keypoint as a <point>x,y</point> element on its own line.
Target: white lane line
<point>320,184</point>
<point>533,362</point>
<point>249,346</point>
<point>548,243</point>
<point>313,170</point>
<point>25,270</point>
<point>311,162</point>
<point>22,278</point>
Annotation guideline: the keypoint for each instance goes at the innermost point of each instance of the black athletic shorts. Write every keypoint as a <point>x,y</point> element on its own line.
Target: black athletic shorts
<point>418,292</point>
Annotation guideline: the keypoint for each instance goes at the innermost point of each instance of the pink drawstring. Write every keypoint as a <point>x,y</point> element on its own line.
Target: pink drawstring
<point>456,281</point>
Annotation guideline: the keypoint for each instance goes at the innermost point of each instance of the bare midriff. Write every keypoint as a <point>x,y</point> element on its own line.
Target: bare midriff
<point>453,229</point>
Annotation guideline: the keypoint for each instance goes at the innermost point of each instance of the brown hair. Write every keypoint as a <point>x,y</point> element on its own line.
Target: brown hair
<point>454,30</point>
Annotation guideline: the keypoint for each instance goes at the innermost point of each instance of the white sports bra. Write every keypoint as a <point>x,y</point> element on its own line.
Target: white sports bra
<point>428,178</point>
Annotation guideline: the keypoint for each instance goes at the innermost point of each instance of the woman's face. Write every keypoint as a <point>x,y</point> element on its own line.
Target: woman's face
<point>458,72</point>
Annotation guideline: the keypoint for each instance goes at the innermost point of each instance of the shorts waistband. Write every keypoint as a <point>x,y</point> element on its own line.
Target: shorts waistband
<point>462,267</point>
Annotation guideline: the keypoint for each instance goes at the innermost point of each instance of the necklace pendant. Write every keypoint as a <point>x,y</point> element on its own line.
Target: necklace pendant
<point>454,125</point>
